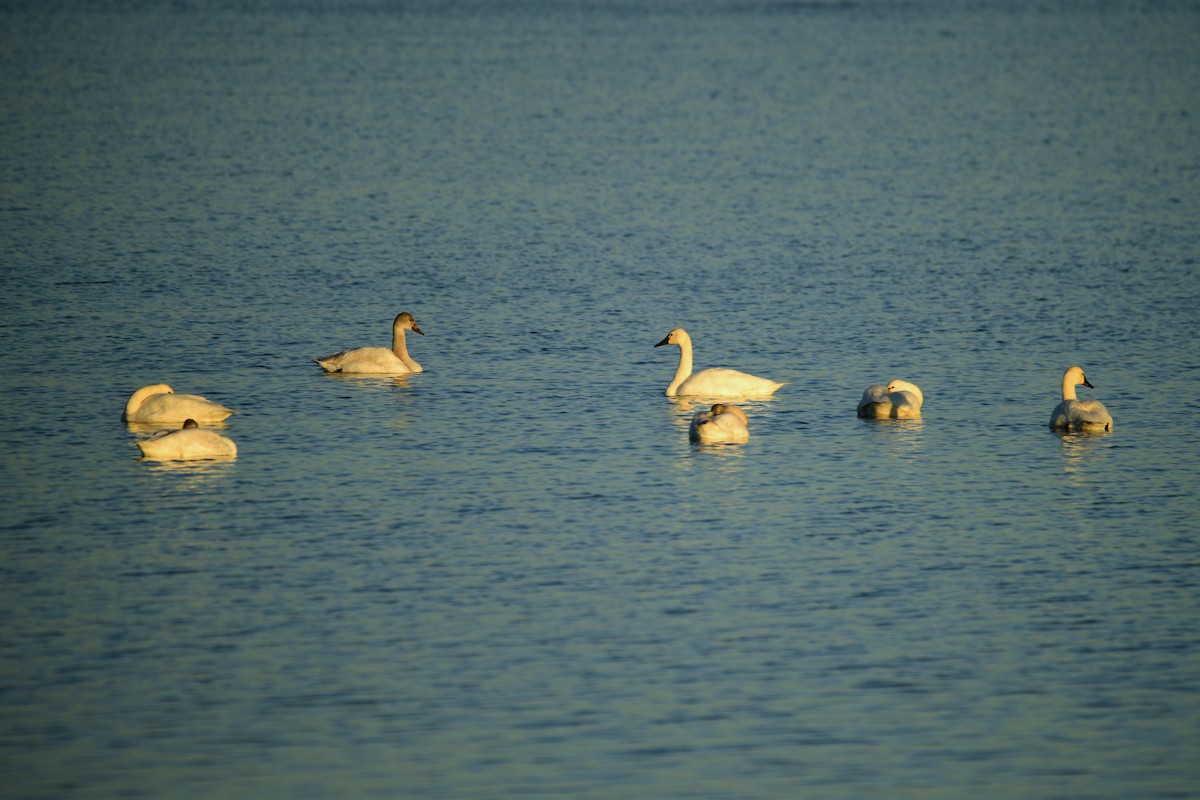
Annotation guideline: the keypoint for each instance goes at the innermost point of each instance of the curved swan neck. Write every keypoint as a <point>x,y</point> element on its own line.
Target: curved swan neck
<point>1068,387</point>
<point>400,349</point>
<point>141,395</point>
<point>685,362</point>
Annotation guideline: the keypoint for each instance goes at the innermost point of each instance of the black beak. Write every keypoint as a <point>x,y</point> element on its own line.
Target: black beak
<point>1085,383</point>
<point>664,341</point>
<point>415,329</point>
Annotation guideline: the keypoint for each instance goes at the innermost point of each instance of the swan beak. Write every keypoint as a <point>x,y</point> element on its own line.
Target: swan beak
<point>415,329</point>
<point>664,341</point>
<point>1085,383</point>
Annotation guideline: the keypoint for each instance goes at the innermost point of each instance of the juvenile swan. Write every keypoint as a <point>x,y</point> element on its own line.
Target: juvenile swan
<point>898,400</point>
<point>189,443</point>
<point>713,382</point>
<point>1079,415</point>
<point>378,360</point>
<point>159,403</point>
<point>721,423</point>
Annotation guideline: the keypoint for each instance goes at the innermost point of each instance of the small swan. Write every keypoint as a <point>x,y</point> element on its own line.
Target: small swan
<point>712,382</point>
<point>898,400</point>
<point>378,360</point>
<point>721,423</point>
<point>159,403</point>
<point>189,443</point>
<point>1079,415</point>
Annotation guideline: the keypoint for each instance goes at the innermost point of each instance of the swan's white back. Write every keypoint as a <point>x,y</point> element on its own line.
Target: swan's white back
<point>1073,414</point>
<point>720,423</point>
<point>158,403</point>
<point>378,360</point>
<point>898,400</point>
<point>187,444</point>
<point>712,382</point>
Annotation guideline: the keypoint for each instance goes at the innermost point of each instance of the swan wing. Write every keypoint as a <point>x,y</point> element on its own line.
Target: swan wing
<point>379,360</point>
<point>721,382</point>
<point>187,445</point>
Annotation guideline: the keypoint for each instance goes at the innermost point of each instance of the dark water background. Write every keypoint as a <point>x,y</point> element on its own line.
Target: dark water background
<point>511,575</point>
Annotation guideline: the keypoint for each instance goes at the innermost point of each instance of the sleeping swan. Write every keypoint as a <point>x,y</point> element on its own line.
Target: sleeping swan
<point>378,360</point>
<point>1079,415</point>
<point>721,423</point>
<point>898,400</point>
<point>713,382</point>
<point>189,443</point>
<point>159,403</point>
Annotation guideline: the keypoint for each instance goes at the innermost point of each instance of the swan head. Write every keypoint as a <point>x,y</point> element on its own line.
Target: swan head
<point>1074,375</point>
<point>677,336</point>
<point>190,423</point>
<point>405,321</point>
<point>897,385</point>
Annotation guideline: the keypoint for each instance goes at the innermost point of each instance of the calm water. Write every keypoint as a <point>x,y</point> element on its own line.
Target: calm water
<point>512,575</point>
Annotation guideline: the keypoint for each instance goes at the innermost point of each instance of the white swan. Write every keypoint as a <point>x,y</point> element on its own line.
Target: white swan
<point>189,443</point>
<point>898,400</point>
<point>721,423</point>
<point>159,403</point>
<point>1079,415</point>
<point>378,360</point>
<point>712,382</point>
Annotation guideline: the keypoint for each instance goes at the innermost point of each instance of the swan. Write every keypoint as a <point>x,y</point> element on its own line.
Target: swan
<point>189,443</point>
<point>378,360</point>
<point>159,403</point>
<point>898,400</point>
<point>1079,415</point>
<point>721,423</point>
<point>712,382</point>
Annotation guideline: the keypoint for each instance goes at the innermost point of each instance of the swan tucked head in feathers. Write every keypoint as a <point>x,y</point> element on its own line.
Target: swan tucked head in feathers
<point>378,360</point>
<point>713,382</point>
<point>158,403</point>
<point>1072,414</point>
<point>898,400</point>
<point>189,443</point>
<point>721,423</point>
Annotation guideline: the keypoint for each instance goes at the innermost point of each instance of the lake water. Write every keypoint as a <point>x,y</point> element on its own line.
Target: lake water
<point>512,575</point>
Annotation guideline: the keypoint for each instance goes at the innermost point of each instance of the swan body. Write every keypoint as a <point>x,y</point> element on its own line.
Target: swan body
<point>189,443</point>
<point>713,382</point>
<point>1073,414</point>
<point>159,403</point>
<point>378,360</point>
<point>721,423</point>
<point>898,400</point>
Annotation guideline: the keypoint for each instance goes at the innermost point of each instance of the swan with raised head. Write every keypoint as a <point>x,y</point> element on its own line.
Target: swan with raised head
<point>189,443</point>
<point>378,360</point>
<point>159,403</point>
<point>1073,414</point>
<point>721,423</point>
<point>898,400</point>
<point>712,382</point>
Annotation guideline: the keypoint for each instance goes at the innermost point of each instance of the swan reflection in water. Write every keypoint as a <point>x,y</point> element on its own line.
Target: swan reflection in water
<point>1080,451</point>
<point>192,476</point>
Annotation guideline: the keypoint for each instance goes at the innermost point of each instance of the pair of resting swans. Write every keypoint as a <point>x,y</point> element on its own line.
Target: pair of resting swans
<point>378,360</point>
<point>189,443</point>
<point>159,404</point>
<point>712,382</point>
<point>1073,414</point>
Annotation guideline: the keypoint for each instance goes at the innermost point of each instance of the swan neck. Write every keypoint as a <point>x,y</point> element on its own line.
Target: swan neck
<point>1068,389</point>
<point>685,365</point>
<point>400,350</point>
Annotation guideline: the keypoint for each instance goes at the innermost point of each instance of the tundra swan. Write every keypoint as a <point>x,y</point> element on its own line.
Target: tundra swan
<point>1079,415</point>
<point>898,400</point>
<point>378,360</point>
<point>159,403</point>
<point>712,382</point>
<point>721,423</point>
<point>189,443</point>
